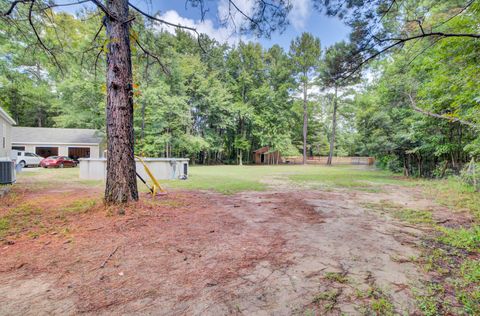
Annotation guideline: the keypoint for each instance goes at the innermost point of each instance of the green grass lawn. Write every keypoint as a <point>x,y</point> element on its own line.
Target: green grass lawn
<point>40,178</point>
<point>232,179</point>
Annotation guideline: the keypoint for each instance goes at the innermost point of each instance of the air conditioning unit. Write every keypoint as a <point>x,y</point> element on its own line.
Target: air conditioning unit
<point>7,172</point>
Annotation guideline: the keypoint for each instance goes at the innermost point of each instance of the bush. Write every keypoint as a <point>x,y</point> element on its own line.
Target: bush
<point>441,172</point>
<point>389,162</point>
<point>470,174</point>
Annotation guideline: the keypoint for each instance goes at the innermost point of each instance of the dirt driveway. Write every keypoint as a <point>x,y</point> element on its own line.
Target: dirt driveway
<point>294,251</point>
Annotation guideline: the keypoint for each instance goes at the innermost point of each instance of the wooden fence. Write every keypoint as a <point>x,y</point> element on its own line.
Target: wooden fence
<point>320,160</point>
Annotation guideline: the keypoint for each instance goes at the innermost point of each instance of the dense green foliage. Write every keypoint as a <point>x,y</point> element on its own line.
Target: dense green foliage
<point>214,106</point>
<point>420,113</point>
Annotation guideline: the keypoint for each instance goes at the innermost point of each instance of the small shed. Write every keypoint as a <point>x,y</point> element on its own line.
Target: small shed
<point>263,156</point>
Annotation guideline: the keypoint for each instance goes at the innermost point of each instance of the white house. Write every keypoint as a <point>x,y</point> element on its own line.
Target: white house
<point>6,123</point>
<point>72,142</point>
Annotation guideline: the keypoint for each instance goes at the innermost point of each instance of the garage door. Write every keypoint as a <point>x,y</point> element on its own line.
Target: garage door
<point>46,151</point>
<point>78,152</point>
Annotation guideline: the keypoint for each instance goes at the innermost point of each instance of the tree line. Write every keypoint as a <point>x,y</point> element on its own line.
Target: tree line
<point>213,106</point>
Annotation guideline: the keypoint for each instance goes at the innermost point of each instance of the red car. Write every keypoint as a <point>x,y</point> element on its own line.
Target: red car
<point>58,162</point>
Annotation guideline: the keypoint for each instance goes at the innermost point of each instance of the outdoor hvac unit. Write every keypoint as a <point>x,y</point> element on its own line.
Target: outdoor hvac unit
<point>7,172</point>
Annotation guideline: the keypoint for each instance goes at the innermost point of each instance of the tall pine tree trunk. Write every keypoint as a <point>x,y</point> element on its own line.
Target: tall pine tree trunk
<point>121,183</point>
<point>305,123</point>
<point>334,129</point>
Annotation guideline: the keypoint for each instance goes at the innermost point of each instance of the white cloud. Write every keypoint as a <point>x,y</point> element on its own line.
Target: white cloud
<point>300,13</point>
<point>232,16</point>
<point>222,33</point>
<point>232,20</point>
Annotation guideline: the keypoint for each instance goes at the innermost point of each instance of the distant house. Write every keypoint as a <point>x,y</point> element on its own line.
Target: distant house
<point>264,156</point>
<point>72,142</point>
<point>6,123</point>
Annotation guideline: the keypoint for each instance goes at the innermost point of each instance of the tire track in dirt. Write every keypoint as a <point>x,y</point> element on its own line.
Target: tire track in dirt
<point>330,232</point>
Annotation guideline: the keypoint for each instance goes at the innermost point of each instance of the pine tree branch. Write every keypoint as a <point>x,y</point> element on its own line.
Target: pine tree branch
<point>400,41</point>
<point>39,39</point>
<point>148,53</point>
<point>151,17</point>
<point>414,106</point>
<point>13,5</point>
<point>102,7</point>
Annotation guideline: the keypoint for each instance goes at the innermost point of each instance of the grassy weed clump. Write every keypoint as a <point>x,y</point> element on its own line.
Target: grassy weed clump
<point>468,239</point>
<point>336,277</point>
<point>377,303</point>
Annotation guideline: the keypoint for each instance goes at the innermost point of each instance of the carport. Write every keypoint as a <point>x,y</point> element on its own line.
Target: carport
<point>78,152</point>
<point>46,151</point>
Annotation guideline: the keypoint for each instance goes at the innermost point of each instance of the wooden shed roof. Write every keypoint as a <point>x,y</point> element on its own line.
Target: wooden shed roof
<point>262,150</point>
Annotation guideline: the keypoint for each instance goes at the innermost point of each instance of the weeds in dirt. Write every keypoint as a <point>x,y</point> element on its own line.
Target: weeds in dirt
<point>80,206</point>
<point>409,215</point>
<point>336,277</point>
<point>468,286</point>
<point>414,216</point>
<point>155,202</point>
<point>455,195</point>
<point>468,239</point>
<point>326,296</point>
<point>470,270</point>
<point>383,206</point>
<point>4,226</point>
<point>327,299</point>
<point>452,257</point>
<point>430,299</point>
<point>377,303</point>
<point>456,289</point>
<point>18,219</point>
<point>30,219</point>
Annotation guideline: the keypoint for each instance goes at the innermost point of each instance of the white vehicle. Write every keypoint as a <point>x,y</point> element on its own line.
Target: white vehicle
<point>26,159</point>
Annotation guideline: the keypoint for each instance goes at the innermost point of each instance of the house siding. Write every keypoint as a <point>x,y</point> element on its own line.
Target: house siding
<point>5,139</point>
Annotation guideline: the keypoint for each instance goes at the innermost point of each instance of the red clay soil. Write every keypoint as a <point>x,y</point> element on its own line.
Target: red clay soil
<point>167,252</point>
<point>201,253</point>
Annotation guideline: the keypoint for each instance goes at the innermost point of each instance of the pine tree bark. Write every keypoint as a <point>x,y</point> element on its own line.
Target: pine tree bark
<point>334,129</point>
<point>305,123</point>
<point>121,181</point>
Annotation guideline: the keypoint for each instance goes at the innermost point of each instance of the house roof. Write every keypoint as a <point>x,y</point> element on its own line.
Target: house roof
<point>44,135</point>
<point>7,117</point>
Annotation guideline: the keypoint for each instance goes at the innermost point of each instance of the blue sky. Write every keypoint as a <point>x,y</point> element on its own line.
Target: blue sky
<point>302,18</point>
